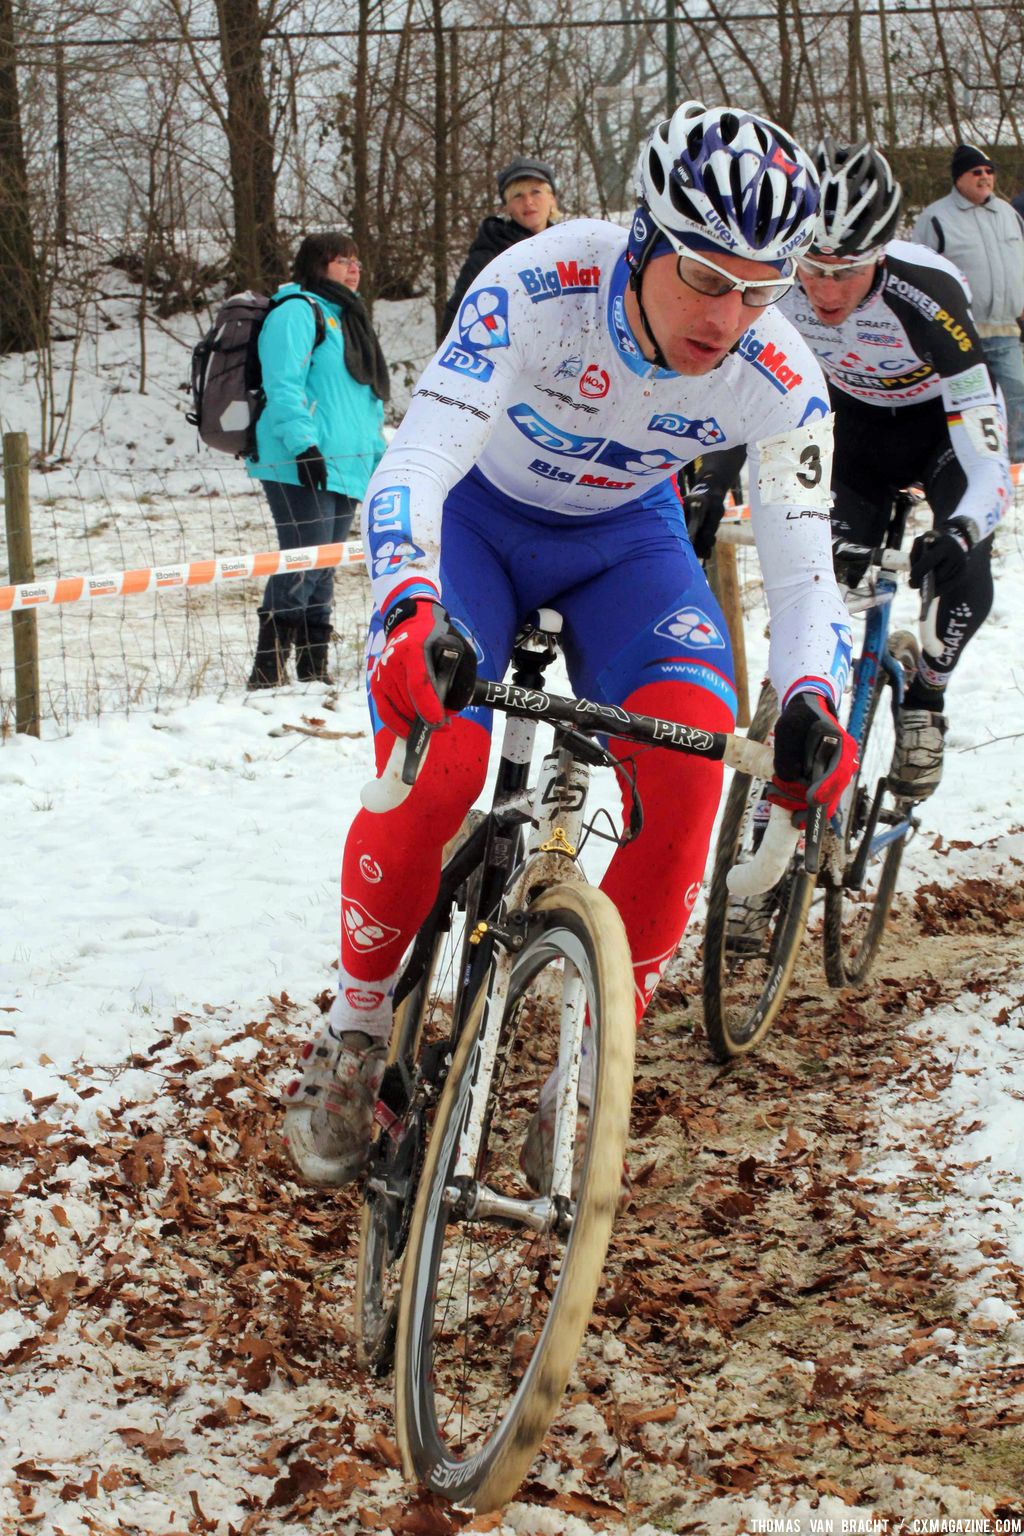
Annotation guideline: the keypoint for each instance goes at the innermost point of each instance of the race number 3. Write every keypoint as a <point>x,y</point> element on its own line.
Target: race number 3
<point>810,458</point>
<point>796,467</point>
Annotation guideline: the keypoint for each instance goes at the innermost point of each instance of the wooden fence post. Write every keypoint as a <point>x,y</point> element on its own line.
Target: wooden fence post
<point>724,582</point>
<point>22,568</point>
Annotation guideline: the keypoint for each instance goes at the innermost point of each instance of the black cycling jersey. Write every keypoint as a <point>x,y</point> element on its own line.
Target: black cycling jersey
<point>910,356</point>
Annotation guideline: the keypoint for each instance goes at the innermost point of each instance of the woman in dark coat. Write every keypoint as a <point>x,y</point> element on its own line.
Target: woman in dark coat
<point>526,190</point>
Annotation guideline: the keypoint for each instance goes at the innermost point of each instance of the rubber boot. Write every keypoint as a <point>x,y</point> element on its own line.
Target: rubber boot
<point>273,644</point>
<point>312,652</point>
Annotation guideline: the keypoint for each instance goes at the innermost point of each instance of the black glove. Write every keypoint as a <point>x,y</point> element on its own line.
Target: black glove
<point>807,724</point>
<point>943,552</point>
<point>312,468</point>
<point>704,508</point>
<point>850,570</point>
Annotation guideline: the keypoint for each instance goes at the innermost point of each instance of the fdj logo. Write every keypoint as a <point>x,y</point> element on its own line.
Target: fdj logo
<point>548,436</point>
<point>564,277</point>
<point>691,628</point>
<point>483,327</point>
<point>707,432</point>
<point>471,364</point>
<point>842,656</point>
<point>390,540</point>
<point>768,360</point>
<point>617,456</point>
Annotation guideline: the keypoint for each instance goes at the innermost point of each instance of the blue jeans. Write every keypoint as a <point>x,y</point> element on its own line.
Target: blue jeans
<point>305,517</point>
<point>1006,365</point>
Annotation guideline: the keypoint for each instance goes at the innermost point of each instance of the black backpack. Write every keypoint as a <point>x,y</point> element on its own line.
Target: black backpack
<point>227,381</point>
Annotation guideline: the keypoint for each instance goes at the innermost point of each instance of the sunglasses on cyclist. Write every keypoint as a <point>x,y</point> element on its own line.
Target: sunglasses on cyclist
<point>840,271</point>
<point>703,276</point>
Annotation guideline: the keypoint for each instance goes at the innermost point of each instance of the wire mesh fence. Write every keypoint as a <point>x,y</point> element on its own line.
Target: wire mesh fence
<point>158,647</point>
<point>161,647</point>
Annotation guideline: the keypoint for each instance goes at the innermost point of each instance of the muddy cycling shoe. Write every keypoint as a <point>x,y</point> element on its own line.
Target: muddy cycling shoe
<point>748,922</point>
<point>917,759</point>
<point>328,1118</point>
<point>536,1156</point>
<point>535,1159</point>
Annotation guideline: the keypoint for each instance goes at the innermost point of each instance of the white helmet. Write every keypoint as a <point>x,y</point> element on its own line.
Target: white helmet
<point>719,178</point>
<point>860,200</point>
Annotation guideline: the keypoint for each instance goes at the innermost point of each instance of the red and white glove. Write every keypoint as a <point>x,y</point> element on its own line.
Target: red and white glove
<point>404,684</point>
<point>815,759</point>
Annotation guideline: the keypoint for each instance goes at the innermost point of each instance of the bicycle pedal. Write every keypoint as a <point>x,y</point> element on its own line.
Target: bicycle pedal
<point>435,1061</point>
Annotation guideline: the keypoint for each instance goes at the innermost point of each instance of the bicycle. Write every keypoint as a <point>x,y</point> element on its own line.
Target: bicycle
<point>752,935</point>
<point>478,1287</point>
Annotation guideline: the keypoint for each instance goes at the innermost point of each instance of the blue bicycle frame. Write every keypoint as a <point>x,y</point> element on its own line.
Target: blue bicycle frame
<point>874,654</point>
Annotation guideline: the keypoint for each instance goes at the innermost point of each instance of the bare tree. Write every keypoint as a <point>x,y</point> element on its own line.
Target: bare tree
<point>24,321</point>
<point>257,257</point>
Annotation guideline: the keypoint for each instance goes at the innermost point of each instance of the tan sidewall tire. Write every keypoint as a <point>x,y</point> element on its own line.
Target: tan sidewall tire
<point>601,1187</point>
<point>472,821</point>
<point>721,1044</point>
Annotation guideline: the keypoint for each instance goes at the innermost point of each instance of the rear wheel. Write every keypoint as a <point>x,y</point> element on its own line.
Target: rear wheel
<point>750,946</point>
<point>875,829</point>
<point>499,1283</point>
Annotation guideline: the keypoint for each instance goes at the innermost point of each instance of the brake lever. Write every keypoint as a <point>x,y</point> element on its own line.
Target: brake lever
<point>408,754</point>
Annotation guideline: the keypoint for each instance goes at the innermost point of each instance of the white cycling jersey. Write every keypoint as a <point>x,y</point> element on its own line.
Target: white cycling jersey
<point>913,340</point>
<point>541,386</point>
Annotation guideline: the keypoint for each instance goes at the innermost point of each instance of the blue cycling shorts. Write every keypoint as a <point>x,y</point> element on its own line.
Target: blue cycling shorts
<point>634,599</point>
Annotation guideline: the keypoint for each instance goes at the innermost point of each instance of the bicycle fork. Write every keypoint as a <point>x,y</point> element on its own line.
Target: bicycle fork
<point>559,804</point>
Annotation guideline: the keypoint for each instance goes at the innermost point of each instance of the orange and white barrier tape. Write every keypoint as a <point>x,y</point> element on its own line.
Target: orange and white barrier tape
<point>191,573</point>
<point>735,529</point>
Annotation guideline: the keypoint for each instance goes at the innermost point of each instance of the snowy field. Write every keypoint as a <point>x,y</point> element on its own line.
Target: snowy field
<point>170,889</point>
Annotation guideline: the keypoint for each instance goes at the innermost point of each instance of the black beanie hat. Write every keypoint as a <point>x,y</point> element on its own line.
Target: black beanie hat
<point>967,157</point>
<point>520,168</point>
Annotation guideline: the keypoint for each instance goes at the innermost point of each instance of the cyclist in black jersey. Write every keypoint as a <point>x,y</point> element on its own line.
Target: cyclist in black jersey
<point>913,403</point>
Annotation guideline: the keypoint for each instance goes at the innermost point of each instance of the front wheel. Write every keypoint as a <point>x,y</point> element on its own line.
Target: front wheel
<point>751,945</point>
<point>429,1000</point>
<point>499,1283</point>
<point>875,829</point>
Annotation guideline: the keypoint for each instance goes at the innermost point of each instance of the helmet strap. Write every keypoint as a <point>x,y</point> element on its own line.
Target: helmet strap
<point>635,280</point>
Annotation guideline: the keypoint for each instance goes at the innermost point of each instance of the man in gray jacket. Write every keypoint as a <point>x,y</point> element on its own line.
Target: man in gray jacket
<point>984,236</point>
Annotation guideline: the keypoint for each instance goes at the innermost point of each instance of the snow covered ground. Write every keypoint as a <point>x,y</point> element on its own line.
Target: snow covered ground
<point>182,861</point>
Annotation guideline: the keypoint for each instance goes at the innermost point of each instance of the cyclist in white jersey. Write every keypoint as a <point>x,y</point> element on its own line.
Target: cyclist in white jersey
<point>890,323</point>
<point>535,467</point>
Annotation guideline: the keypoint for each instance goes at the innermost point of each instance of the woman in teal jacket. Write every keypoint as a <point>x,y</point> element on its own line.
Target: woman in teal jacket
<point>318,440</point>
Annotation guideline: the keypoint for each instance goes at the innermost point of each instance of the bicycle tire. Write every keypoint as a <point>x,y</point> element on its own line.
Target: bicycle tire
<point>466,1451</point>
<point>743,991</point>
<point>428,1005</point>
<point>855,920</point>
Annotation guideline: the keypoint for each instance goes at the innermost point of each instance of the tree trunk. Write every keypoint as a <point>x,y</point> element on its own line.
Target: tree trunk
<point>361,228</point>
<point>24,324</point>
<point>440,240</point>
<point>257,257</point>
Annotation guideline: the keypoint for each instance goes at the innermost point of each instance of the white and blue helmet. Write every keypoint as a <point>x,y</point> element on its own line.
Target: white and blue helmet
<point>721,179</point>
